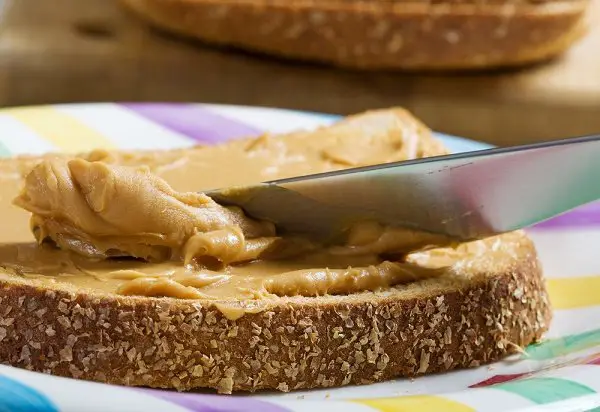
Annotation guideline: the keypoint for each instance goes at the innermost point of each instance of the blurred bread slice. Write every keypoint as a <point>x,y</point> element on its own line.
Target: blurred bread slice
<point>380,34</point>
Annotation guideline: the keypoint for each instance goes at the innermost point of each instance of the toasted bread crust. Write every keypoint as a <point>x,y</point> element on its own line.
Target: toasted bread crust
<point>296,343</point>
<point>377,34</point>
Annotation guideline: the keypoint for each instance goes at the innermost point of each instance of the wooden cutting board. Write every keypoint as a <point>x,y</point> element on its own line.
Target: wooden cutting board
<point>79,51</point>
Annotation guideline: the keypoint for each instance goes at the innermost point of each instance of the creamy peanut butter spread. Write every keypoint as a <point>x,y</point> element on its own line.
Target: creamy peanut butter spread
<point>137,224</point>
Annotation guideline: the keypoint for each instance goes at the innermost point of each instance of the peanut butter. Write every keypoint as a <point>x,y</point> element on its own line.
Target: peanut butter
<point>136,224</point>
<point>100,210</point>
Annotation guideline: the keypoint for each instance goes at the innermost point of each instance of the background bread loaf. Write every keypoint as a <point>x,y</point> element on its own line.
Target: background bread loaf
<point>379,34</point>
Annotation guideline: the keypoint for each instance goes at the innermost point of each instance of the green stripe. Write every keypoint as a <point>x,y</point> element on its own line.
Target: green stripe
<point>545,390</point>
<point>4,152</point>
<point>553,348</point>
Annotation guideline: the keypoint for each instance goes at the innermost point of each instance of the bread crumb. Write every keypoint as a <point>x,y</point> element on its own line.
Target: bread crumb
<point>424,363</point>
<point>452,37</point>
<point>396,43</point>
<point>225,385</point>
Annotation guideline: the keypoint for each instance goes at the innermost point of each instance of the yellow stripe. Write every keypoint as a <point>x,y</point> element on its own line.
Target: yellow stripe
<point>570,293</point>
<point>65,132</point>
<point>420,403</point>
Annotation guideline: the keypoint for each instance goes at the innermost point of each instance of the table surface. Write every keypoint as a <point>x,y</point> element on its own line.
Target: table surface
<point>93,50</point>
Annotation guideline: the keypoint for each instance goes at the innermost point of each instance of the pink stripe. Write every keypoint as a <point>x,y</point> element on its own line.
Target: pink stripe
<point>594,360</point>
<point>193,121</point>
<point>496,379</point>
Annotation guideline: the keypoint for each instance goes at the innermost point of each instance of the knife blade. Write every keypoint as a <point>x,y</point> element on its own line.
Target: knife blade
<point>464,196</point>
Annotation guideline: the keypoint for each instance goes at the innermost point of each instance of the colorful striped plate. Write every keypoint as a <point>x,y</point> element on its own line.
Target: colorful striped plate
<point>561,373</point>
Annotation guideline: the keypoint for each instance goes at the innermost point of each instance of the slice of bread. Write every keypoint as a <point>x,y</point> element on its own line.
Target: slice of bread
<point>490,303</point>
<point>380,34</point>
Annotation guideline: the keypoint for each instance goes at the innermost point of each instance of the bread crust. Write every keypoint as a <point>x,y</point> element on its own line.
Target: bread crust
<point>379,34</point>
<point>296,343</point>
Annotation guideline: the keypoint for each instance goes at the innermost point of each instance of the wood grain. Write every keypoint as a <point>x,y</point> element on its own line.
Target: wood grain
<point>92,50</point>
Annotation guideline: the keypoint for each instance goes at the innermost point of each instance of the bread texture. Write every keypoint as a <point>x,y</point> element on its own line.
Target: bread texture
<point>380,34</point>
<point>298,343</point>
<point>475,314</point>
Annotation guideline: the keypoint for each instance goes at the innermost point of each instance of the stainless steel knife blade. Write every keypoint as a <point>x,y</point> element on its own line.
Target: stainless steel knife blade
<point>465,196</point>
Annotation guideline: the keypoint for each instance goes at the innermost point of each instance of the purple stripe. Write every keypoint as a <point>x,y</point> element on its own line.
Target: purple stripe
<point>588,215</point>
<point>193,121</point>
<point>213,403</point>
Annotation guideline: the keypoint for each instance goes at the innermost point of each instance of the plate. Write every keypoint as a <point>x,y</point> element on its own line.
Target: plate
<point>561,372</point>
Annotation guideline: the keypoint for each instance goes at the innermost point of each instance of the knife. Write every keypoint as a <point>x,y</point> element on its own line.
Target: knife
<point>464,196</point>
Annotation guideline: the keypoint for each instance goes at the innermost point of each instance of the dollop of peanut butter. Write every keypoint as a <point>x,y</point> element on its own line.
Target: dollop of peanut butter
<point>101,210</point>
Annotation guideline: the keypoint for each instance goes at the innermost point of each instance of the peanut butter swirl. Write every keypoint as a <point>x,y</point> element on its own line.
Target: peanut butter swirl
<point>100,211</point>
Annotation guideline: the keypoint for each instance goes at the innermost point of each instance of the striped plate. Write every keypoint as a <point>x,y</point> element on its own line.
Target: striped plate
<point>562,373</point>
